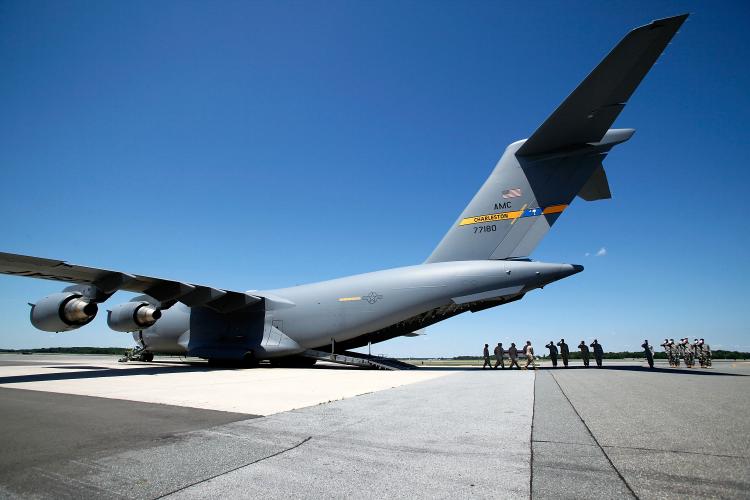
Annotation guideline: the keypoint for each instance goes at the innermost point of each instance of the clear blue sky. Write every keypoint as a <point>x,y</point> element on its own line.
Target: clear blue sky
<point>252,145</point>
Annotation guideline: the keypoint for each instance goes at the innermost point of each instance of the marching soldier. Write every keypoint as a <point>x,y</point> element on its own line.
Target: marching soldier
<point>486,353</point>
<point>512,355</point>
<point>649,354</point>
<point>598,352</point>
<point>584,353</point>
<point>552,353</point>
<point>499,353</point>
<point>564,352</point>
<point>528,350</point>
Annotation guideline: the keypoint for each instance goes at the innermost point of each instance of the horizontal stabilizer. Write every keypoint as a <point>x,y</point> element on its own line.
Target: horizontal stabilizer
<point>597,187</point>
<point>588,112</point>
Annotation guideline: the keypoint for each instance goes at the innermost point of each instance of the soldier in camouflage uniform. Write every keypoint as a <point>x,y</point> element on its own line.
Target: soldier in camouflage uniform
<point>564,352</point>
<point>598,352</point>
<point>706,351</point>
<point>499,356</point>
<point>584,353</point>
<point>513,356</point>
<point>675,353</point>
<point>486,354</point>
<point>528,350</point>
<point>697,352</point>
<point>669,353</point>
<point>687,352</point>
<point>665,345</point>
<point>552,353</point>
<point>648,351</point>
<point>681,351</point>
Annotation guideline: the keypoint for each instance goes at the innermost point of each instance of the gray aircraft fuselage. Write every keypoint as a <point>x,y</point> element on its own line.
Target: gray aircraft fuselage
<point>339,310</point>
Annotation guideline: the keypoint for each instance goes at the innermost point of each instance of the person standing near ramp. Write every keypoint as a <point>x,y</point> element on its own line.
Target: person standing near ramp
<point>649,354</point>
<point>499,353</point>
<point>584,353</point>
<point>552,353</point>
<point>513,355</point>
<point>486,353</point>
<point>598,353</point>
<point>564,351</point>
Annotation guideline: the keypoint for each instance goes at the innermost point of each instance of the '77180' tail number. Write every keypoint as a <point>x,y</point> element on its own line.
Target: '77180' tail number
<point>485,229</point>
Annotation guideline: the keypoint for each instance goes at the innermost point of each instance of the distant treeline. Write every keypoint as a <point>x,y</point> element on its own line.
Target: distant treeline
<point>718,354</point>
<point>119,351</point>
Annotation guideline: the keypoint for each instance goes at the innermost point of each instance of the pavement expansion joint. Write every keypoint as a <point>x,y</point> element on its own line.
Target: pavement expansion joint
<point>281,452</point>
<point>619,474</point>
<point>576,444</point>
<point>657,450</point>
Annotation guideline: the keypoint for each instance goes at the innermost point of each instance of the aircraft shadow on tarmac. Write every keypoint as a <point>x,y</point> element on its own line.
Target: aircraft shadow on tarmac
<point>99,372</point>
<point>88,372</point>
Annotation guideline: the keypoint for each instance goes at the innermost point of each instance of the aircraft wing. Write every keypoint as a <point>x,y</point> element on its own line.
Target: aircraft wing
<point>107,282</point>
<point>588,112</point>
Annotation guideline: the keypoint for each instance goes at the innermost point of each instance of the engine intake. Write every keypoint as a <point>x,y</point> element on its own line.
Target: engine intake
<point>133,316</point>
<point>61,312</point>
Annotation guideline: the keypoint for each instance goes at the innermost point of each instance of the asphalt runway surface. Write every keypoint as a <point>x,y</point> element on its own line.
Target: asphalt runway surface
<point>619,432</point>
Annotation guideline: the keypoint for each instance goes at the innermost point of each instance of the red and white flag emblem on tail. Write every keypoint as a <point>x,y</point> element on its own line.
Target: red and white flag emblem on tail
<point>512,193</point>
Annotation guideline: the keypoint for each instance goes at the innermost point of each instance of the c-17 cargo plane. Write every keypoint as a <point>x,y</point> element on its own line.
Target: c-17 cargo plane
<point>481,262</point>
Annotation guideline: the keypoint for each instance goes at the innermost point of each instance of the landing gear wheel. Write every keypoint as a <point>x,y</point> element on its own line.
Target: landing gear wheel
<point>148,356</point>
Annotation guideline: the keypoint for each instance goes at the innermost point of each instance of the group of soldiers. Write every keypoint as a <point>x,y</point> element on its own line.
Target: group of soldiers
<point>528,351</point>
<point>585,352</point>
<point>682,349</point>
<point>512,353</point>
<point>688,352</point>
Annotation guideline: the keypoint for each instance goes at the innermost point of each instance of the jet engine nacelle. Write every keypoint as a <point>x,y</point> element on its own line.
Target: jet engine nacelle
<point>61,312</point>
<point>133,316</point>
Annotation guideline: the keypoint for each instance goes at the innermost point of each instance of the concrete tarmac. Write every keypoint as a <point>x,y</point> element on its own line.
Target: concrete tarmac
<point>194,384</point>
<point>574,433</point>
<point>629,431</point>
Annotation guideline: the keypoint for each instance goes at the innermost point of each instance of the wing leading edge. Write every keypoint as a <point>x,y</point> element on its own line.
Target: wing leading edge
<point>108,282</point>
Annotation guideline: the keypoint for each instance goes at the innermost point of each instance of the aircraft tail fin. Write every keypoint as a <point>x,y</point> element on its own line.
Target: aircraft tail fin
<point>537,178</point>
